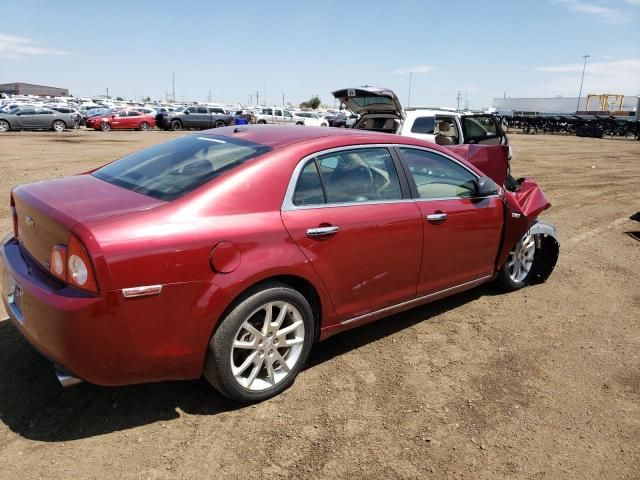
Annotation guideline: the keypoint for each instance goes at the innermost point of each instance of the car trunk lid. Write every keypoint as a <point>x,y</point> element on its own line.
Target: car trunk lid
<point>48,211</point>
<point>367,100</point>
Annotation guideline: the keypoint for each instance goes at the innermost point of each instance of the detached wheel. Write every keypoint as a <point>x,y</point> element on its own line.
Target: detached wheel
<point>176,125</point>
<point>219,124</point>
<point>58,126</point>
<point>261,345</point>
<point>517,270</point>
<point>144,126</point>
<point>4,126</point>
<point>105,127</point>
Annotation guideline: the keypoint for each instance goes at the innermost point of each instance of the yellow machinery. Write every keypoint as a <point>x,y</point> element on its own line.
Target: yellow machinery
<point>609,102</point>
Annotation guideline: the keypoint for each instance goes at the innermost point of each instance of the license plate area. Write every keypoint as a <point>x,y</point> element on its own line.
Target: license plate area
<point>13,293</point>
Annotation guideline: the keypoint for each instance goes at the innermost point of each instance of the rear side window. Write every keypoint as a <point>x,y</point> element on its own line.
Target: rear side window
<point>423,125</point>
<point>349,176</point>
<point>170,170</point>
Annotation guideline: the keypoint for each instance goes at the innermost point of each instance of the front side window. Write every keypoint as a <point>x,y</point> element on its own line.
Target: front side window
<point>436,176</point>
<point>172,169</point>
<point>202,110</point>
<point>133,114</point>
<point>278,113</point>
<point>121,114</point>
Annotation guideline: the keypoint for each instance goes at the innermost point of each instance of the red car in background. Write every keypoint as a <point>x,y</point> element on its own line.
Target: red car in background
<point>122,120</point>
<point>230,252</point>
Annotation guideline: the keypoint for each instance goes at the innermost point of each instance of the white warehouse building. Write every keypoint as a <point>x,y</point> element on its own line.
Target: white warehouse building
<point>555,105</point>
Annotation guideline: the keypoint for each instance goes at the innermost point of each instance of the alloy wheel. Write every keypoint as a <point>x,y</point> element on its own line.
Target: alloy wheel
<point>520,259</point>
<point>4,126</point>
<point>58,126</point>
<point>267,346</point>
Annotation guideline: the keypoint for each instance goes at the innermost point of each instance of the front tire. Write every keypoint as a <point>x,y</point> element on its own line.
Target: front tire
<point>261,345</point>
<point>262,122</point>
<point>4,126</point>
<point>176,125</point>
<point>219,124</point>
<point>144,126</point>
<point>517,271</point>
<point>105,127</point>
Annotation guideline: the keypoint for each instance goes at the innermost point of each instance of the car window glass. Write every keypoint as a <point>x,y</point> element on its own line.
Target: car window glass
<point>309,187</point>
<point>267,111</point>
<point>192,110</point>
<point>423,125</point>
<point>121,114</point>
<point>134,114</point>
<point>287,114</point>
<point>278,113</point>
<point>436,176</point>
<point>27,111</point>
<point>359,175</point>
<point>202,110</point>
<point>478,127</point>
<point>171,169</point>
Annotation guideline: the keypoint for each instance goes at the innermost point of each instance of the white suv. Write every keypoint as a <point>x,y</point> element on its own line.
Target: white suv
<point>309,119</point>
<point>380,110</point>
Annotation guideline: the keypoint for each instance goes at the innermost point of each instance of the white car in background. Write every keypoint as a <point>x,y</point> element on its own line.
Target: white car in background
<point>309,119</point>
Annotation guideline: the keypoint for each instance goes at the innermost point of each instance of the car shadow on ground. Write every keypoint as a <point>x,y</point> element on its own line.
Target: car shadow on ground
<point>35,406</point>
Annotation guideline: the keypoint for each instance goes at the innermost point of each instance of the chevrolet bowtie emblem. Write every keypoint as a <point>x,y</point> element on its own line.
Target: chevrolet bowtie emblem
<point>30,222</point>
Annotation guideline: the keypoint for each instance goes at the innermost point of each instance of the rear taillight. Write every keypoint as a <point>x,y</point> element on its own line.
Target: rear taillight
<point>14,216</point>
<point>58,262</point>
<point>79,267</point>
<point>73,265</point>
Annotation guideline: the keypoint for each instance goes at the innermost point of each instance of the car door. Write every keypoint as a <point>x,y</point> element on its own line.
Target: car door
<point>483,129</point>
<point>119,120</point>
<point>287,116</point>
<point>277,116</point>
<point>44,118</point>
<point>27,118</point>
<point>190,117</point>
<point>462,233</point>
<point>202,118</point>
<point>347,212</point>
<point>133,119</point>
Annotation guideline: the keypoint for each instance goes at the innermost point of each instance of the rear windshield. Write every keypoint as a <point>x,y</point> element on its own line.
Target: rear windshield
<point>170,170</point>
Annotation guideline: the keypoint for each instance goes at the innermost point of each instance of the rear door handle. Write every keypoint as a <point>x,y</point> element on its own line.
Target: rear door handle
<point>436,217</point>
<point>321,231</point>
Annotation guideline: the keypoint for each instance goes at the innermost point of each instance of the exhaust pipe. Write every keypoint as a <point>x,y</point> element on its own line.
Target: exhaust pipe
<point>66,379</point>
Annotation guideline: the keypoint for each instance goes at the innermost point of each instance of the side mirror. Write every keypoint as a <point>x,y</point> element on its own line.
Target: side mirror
<point>186,112</point>
<point>485,187</point>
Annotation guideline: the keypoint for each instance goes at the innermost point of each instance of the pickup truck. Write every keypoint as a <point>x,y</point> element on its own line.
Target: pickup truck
<point>196,116</point>
<point>274,115</point>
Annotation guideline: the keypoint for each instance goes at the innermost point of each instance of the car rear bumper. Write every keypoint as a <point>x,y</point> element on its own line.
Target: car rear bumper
<point>103,339</point>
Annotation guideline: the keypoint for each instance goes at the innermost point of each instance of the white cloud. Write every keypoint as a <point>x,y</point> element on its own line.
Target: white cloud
<point>18,47</point>
<point>414,69</point>
<point>607,14</point>
<point>614,76</point>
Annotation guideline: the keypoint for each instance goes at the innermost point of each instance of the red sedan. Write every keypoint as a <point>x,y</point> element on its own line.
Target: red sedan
<point>123,120</point>
<point>230,252</point>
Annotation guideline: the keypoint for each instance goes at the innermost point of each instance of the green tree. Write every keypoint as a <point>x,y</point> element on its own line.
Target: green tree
<point>119,99</point>
<point>313,103</point>
<point>147,99</point>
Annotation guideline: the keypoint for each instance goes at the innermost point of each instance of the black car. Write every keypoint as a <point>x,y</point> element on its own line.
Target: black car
<point>197,117</point>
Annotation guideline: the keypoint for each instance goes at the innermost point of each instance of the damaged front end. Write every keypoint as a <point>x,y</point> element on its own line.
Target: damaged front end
<point>524,201</point>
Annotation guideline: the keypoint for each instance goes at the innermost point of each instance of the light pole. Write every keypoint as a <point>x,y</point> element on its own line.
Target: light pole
<point>409,99</point>
<point>582,80</point>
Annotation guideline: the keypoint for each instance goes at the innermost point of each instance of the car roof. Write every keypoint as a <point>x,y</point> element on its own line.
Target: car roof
<point>278,136</point>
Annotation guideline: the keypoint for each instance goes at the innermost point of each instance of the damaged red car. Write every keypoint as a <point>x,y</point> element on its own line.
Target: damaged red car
<point>229,253</point>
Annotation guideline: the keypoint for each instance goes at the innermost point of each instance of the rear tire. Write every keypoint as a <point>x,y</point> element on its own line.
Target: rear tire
<point>219,124</point>
<point>261,345</point>
<point>144,126</point>
<point>4,126</point>
<point>58,126</point>
<point>105,127</point>
<point>176,125</point>
<point>262,122</point>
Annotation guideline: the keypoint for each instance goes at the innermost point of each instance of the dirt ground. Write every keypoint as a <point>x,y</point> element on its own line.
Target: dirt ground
<point>540,383</point>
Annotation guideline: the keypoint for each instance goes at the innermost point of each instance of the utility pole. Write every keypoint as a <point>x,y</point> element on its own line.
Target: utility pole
<point>107,93</point>
<point>250,99</point>
<point>283,100</point>
<point>209,97</point>
<point>584,67</point>
<point>173,83</point>
<point>264,94</point>
<point>458,97</point>
<point>257,98</point>
<point>409,97</point>
<point>466,100</point>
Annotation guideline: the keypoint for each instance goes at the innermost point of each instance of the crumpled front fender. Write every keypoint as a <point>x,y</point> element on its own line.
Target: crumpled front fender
<point>521,211</point>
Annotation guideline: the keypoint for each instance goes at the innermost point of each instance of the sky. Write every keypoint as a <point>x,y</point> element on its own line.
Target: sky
<point>228,50</point>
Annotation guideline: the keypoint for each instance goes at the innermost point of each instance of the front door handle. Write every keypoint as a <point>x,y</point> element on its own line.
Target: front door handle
<point>436,217</point>
<point>321,231</point>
